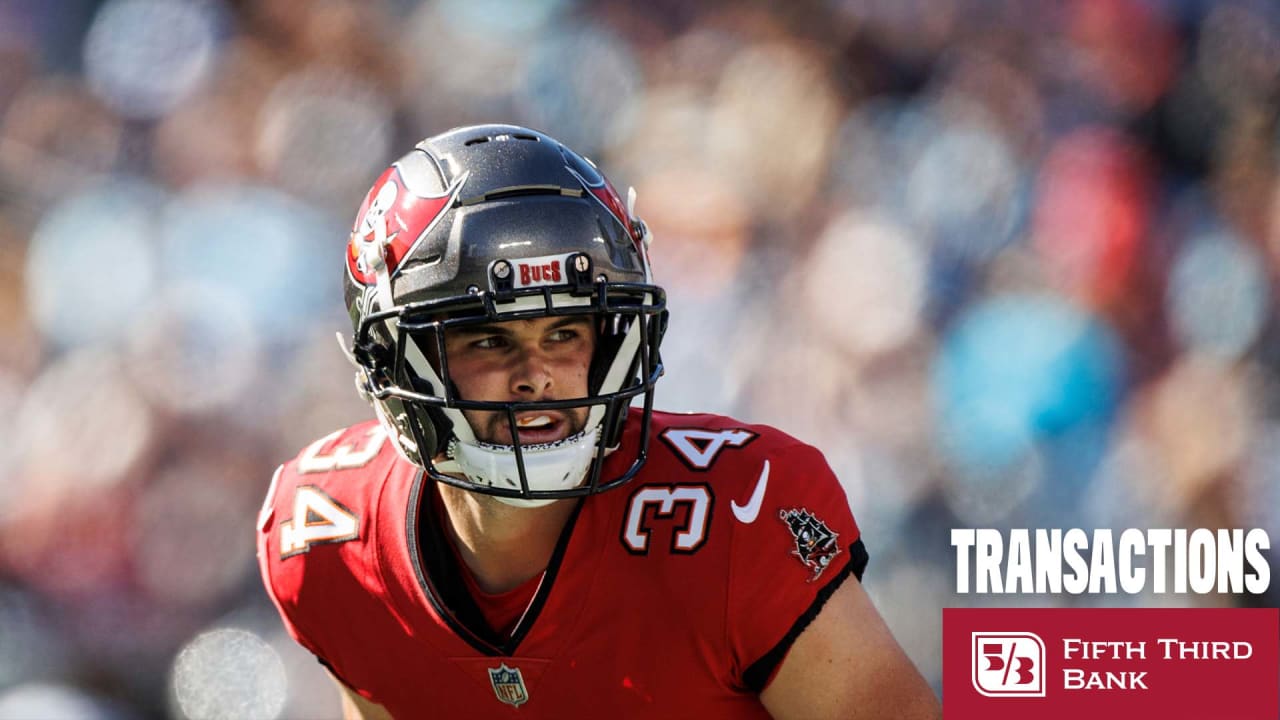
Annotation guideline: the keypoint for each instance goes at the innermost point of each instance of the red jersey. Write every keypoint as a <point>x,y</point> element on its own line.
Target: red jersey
<point>674,596</point>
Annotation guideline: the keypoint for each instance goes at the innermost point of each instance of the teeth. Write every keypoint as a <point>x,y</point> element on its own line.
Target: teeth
<point>534,422</point>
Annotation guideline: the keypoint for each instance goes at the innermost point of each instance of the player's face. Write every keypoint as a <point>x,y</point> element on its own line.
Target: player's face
<point>523,360</point>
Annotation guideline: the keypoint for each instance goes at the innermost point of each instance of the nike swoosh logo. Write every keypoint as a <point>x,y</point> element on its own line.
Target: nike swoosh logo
<point>747,513</point>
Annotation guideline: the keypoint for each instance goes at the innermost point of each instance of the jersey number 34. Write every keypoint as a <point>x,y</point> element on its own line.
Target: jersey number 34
<point>317,517</point>
<point>697,448</point>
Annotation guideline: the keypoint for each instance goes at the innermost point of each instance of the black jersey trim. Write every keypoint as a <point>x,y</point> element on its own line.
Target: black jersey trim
<point>759,672</point>
<point>417,546</point>
<point>440,579</point>
<point>525,623</point>
<point>336,675</point>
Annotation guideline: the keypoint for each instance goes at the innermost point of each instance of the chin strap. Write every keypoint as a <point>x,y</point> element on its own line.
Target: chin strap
<point>375,258</point>
<point>646,237</point>
<point>363,387</point>
<point>559,465</point>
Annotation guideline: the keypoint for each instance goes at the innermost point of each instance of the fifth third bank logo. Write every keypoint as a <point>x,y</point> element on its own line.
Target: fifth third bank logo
<point>1008,664</point>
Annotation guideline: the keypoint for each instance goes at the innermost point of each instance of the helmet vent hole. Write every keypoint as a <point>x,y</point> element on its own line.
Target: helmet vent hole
<point>504,136</point>
<point>431,259</point>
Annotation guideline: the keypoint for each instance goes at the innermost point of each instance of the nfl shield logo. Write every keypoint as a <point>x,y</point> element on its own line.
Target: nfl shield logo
<point>508,685</point>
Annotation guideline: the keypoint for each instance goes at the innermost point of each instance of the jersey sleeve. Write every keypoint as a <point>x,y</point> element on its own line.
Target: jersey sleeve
<point>788,560</point>
<point>279,585</point>
<point>314,533</point>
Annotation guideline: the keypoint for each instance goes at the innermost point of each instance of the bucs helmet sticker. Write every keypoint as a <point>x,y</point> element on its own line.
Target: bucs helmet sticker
<point>815,543</point>
<point>508,685</point>
<point>392,221</point>
<point>541,271</point>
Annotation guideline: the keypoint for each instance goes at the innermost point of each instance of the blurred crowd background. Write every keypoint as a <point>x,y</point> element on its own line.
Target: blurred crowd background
<point>1010,263</point>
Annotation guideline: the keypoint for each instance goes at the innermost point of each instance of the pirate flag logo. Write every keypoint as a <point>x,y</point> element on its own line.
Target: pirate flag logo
<point>816,545</point>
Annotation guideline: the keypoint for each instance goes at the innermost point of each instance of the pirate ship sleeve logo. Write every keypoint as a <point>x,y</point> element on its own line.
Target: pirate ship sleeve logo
<point>815,544</point>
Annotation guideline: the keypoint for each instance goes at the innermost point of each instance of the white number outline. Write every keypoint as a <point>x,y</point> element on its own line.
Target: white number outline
<point>689,537</point>
<point>346,456</point>
<point>700,459</point>
<point>268,505</point>
<point>339,523</point>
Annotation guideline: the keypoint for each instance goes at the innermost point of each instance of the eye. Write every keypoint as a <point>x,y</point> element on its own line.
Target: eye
<point>489,342</point>
<point>564,335</point>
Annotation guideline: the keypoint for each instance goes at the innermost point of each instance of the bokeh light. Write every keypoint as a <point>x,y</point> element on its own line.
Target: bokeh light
<point>496,18</point>
<point>190,508</point>
<point>1218,295</point>
<point>1017,370</point>
<point>255,243</point>
<point>323,134</point>
<point>228,674</point>
<point>1258,500</point>
<point>82,406</point>
<point>144,56</point>
<point>194,348</point>
<point>964,190</point>
<point>92,262</point>
<point>583,81</point>
<point>44,700</point>
<point>881,275</point>
<point>775,155</point>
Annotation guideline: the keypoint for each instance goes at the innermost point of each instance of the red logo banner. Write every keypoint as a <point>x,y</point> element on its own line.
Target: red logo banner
<point>1099,663</point>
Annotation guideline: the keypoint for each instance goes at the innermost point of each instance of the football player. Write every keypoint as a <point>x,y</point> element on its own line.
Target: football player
<point>519,534</point>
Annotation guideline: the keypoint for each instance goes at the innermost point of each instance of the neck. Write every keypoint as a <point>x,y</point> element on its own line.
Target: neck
<point>503,546</point>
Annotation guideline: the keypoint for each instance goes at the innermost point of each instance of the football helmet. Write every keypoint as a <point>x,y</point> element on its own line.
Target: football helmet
<point>486,224</point>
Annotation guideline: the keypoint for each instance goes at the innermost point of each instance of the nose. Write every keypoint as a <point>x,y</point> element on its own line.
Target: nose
<point>531,376</point>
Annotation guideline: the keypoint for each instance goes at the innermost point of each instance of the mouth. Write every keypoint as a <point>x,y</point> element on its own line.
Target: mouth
<point>535,428</point>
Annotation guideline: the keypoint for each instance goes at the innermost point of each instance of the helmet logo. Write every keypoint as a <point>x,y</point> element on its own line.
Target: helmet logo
<point>391,223</point>
<point>377,212</point>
